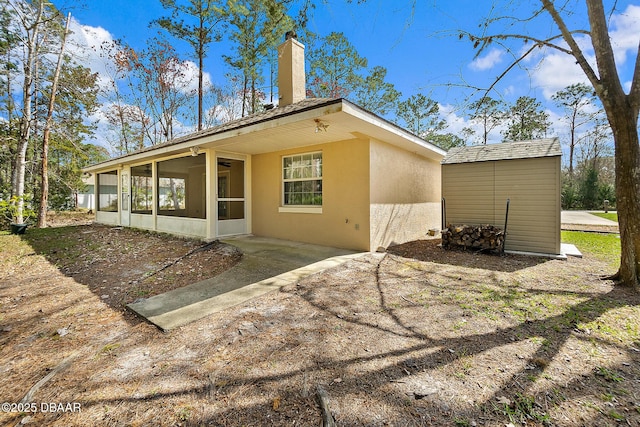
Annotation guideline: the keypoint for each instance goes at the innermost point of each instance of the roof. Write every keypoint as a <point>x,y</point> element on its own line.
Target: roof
<point>289,126</point>
<point>548,147</point>
<point>274,113</point>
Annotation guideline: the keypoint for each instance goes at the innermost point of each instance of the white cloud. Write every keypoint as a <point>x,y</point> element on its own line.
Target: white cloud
<point>456,124</point>
<point>555,70</point>
<point>625,30</point>
<point>509,90</point>
<point>86,45</point>
<point>188,82</point>
<point>488,61</point>
<point>100,136</point>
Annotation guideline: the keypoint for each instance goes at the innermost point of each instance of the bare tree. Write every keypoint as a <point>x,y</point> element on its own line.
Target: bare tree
<point>158,77</point>
<point>44,190</point>
<point>31,22</point>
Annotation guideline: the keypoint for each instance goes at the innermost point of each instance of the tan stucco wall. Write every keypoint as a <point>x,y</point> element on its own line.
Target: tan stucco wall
<point>476,193</point>
<point>404,193</point>
<point>344,221</point>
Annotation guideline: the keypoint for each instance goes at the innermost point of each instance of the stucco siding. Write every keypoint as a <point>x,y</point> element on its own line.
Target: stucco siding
<point>404,193</point>
<point>344,220</point>
<point>477,193</point>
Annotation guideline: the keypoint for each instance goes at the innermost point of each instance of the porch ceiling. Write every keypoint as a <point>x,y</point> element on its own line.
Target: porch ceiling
<point>282,134</point>
<point>302,130</point>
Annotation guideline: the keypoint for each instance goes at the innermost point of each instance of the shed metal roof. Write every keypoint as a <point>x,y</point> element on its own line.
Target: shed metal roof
<point>548,147</point>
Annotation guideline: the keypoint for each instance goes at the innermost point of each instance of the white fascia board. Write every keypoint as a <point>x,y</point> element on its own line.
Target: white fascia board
<point>420,145</point>
<point>140,157</point>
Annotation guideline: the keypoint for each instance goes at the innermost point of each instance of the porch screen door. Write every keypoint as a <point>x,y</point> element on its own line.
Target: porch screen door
<point>230,197</point>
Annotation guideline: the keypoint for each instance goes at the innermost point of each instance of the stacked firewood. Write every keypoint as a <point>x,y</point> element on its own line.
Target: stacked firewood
<point>481,237</point>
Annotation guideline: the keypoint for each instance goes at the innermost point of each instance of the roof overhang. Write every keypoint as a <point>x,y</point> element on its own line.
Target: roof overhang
<point>331,121</point>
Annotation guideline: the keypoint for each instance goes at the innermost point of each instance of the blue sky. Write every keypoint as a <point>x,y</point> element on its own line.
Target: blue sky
<point>418,46</point>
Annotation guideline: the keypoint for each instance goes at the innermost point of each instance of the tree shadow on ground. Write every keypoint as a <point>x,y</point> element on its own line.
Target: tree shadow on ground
<point>519,397</point>
<point>120,265</point>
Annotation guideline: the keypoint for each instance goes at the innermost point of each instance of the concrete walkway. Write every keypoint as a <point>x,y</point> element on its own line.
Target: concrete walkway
<point>266,265</point>
<point>569,218</point>
<point>583,218</point>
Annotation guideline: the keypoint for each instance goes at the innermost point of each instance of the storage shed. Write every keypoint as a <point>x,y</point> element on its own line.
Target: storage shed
<point>477,181</point>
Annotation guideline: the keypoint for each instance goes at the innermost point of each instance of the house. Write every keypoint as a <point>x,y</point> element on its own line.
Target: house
<point>322,171</point>
<point>477,181</point>
<point>85,199</point>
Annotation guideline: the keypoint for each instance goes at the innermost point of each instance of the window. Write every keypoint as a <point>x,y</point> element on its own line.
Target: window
<point>108,191</point>
<point>302,180</point>
<point>181,187</point>
<point>141,189</point>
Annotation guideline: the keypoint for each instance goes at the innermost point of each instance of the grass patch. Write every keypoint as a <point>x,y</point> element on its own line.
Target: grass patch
<point>612,216</point>
<point>522,410</point>
<point>53,240</point>
<point>608,374</point>
<point>605,247</point>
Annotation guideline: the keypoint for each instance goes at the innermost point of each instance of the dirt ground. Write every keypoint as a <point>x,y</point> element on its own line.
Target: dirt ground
<point>416,336</point>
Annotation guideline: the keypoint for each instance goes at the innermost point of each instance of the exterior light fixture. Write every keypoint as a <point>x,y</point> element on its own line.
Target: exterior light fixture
<point>320,125</point>
<point>195,151</point>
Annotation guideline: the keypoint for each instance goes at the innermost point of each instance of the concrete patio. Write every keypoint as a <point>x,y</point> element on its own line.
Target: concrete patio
<point>266,265</point>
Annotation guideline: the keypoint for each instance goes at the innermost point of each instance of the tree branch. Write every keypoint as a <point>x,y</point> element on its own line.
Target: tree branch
<point>575,51</point>
<point>509,68</point>
<point>487,40</point>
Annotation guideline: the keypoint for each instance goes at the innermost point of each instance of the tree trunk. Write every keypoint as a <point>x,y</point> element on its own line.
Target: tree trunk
<point>627,163</point>
<point>244,93</point>
<point>200,73</point>
<point>572,143</point>
<point>25,122</point>
<point>622,113</point>
<point>44,194</point>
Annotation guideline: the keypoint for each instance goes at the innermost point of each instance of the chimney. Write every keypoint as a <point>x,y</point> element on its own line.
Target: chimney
<point>291,78</point>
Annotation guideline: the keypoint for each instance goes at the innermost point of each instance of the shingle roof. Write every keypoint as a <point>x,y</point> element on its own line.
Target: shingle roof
<point>307,105</point>
<point>303,105</point>
<point>547,147</point>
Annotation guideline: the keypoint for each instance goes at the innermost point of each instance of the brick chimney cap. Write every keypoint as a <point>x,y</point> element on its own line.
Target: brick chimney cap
<point>290,35</point>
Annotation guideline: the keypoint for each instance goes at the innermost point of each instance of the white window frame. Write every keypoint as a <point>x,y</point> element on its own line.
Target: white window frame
<point>300,208</point>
